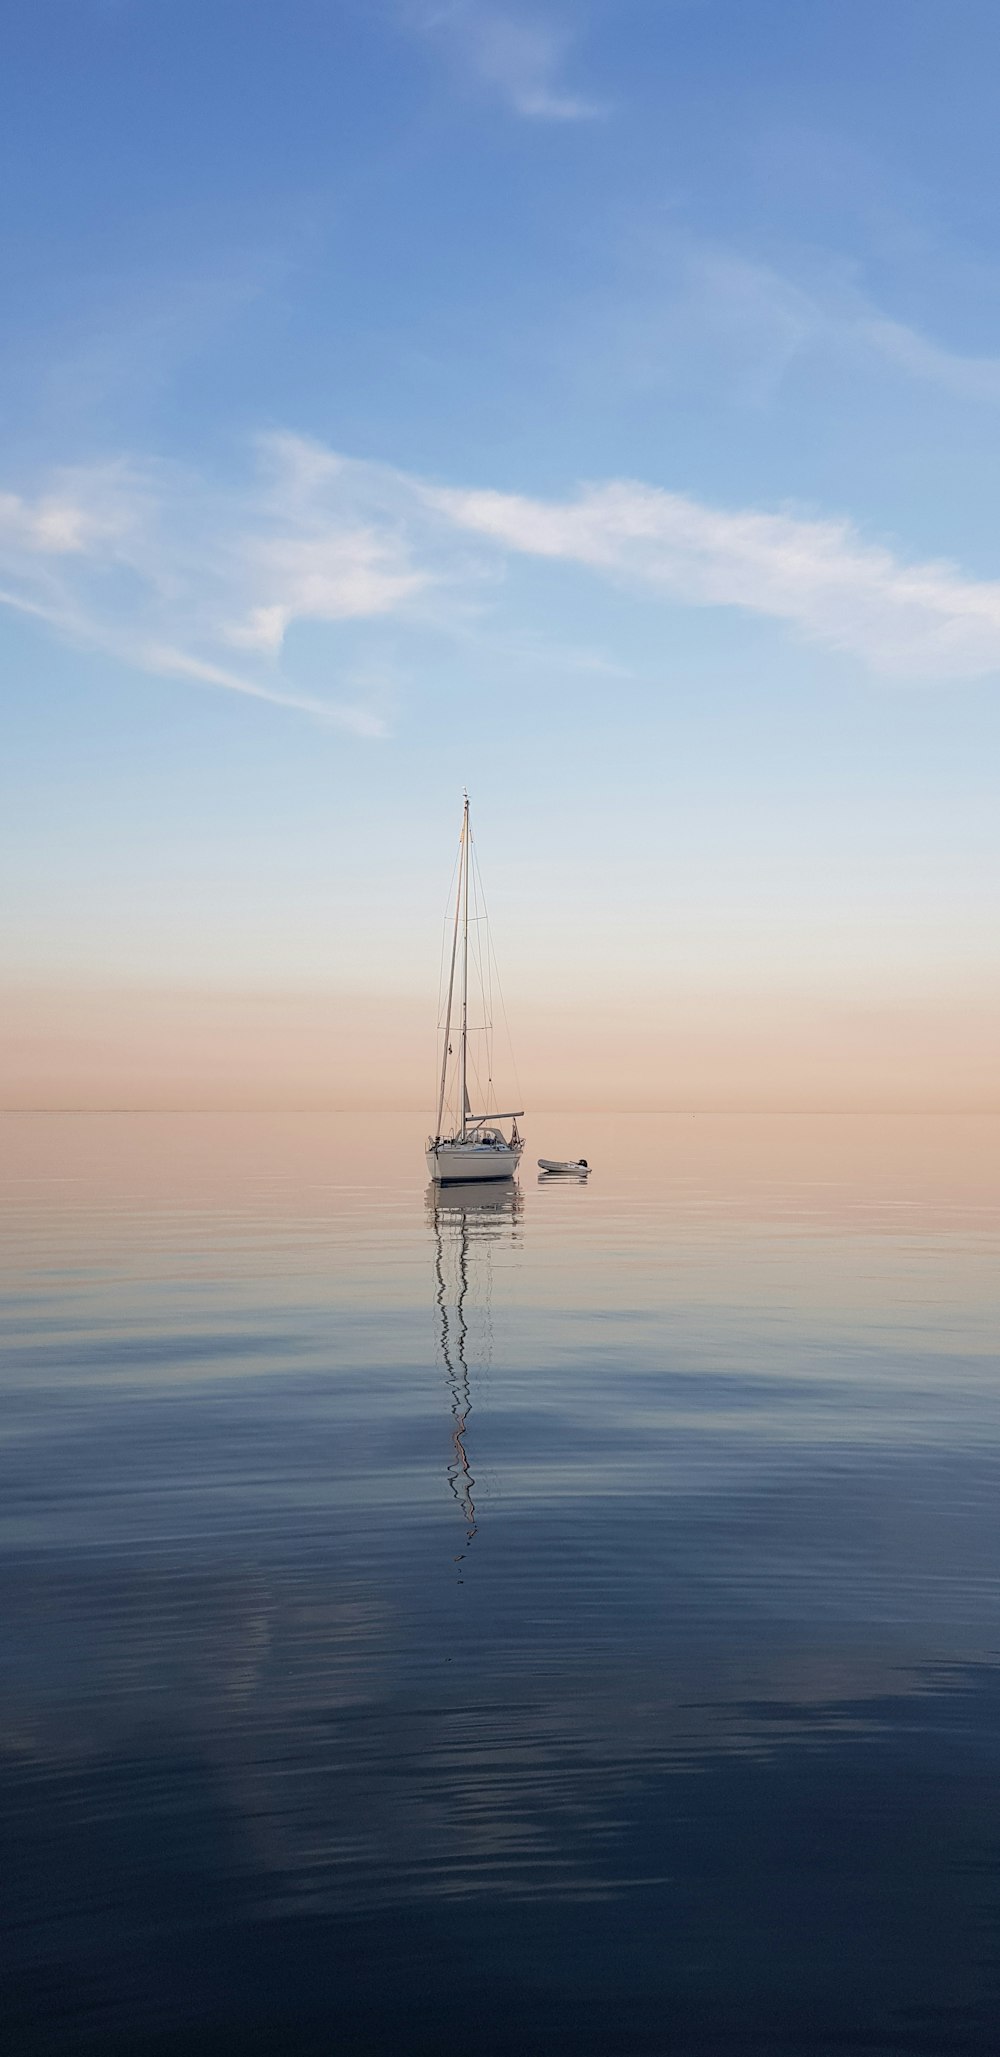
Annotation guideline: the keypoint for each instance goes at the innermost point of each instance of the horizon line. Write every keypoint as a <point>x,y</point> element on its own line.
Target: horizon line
<point>863,1107</point>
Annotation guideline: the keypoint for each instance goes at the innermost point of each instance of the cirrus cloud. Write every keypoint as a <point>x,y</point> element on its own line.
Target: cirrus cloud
<point>822,577</point>
<point>171,571</point>
<point>175,573</point>
<point>517,55</point>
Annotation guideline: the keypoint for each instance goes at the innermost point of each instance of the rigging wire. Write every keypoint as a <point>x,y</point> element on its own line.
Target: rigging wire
<point>495,981</point>
<point>477,898</point>
<point>487,972</point>
<point>486,983</point>
<point>446,927</point>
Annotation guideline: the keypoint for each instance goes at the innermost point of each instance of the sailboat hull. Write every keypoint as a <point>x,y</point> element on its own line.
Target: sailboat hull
<point>451,1164</point>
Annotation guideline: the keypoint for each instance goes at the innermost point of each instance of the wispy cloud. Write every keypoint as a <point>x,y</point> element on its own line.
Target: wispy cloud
<point>77,514</point>
<point>741,325</point>
<point>919,620</point>
<point>517,55</point>
<point>171,663</point>
<point>175,573</point>
<point>968,377</point>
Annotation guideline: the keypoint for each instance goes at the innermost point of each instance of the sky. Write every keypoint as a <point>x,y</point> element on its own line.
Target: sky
<point>595,406</point>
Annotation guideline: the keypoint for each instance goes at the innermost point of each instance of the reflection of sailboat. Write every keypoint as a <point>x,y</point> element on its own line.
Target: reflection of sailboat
<point>476,1147</point>
<point>467,1221</point>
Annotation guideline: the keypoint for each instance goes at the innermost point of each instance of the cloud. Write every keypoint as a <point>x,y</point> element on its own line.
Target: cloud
<point>323,577</point>
<point>168,662</point>
<point>80,512</point>
<point>740,325</point>
<point>329,546</point>
<point>19,604</point>
<point>174,573</point>
<point>920,620</point>
<point>518,57</point>
<point>171,572</point>
<point>970,378</point>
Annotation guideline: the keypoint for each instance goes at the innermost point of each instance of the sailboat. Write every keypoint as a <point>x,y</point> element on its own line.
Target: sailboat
<point>476,1147</point>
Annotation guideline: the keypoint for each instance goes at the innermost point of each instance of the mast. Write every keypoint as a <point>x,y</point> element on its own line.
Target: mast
<point>465,967</point>
<point>451,981</point>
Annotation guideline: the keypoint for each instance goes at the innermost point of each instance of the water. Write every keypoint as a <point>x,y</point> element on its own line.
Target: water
<point>559,1621</point>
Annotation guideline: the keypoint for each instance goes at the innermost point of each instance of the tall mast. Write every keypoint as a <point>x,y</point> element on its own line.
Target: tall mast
<point>451,981</point>
<point>465,966</point>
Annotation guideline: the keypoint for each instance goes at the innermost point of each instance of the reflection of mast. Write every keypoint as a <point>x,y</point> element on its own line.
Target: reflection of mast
<point>460,1479</point>
<point>477,1215</point>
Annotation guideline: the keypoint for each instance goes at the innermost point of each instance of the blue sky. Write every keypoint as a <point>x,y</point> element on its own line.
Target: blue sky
<point>599,406</point>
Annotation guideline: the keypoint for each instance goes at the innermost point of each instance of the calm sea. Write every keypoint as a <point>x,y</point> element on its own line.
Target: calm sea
<point>564,1620</point>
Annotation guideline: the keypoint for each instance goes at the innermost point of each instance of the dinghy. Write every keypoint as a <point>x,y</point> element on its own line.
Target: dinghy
<point>580,1169</point>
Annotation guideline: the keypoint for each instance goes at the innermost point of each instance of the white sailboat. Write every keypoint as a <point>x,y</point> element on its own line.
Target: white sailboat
<point>476,1147</point>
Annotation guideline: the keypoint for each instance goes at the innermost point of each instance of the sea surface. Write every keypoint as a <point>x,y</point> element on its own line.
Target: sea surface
<point>558,1619</point>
